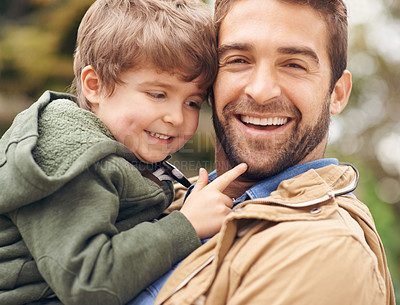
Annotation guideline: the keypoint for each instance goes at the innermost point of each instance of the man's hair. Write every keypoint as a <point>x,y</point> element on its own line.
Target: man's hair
<point>174,36</point>
<point>335,15</point>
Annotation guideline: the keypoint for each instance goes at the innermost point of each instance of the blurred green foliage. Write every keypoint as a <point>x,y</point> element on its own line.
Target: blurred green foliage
<point>37,40</point>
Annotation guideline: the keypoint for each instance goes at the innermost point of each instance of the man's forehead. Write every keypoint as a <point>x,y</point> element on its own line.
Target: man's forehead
<point>254,11</point>
<point>252,23</point>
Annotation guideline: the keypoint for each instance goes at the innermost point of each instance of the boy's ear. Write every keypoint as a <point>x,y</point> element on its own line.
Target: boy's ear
<point>90,84</point>
<point>341,93</point>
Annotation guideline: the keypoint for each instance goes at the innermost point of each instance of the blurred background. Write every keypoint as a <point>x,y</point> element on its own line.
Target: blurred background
<point>37,39</point>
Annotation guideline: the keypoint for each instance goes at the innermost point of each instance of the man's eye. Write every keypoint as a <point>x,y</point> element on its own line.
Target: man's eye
<point>232,61</point>
<point>237,61</point>
<point>296,66</point>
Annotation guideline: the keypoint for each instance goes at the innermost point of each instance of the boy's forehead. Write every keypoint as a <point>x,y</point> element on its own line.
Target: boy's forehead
<point>146,76</point>
<point>173,71</point>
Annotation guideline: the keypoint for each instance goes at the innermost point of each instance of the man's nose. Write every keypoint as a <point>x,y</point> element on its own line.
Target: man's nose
<point>263,84</point>
<point>174,115</point>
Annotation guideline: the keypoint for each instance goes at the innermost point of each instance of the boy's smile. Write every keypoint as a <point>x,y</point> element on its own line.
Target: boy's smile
<point>152,113</point>
<point>158,135</point>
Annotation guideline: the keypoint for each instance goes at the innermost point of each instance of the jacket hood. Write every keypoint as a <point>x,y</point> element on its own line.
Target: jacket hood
<point>74,140</point>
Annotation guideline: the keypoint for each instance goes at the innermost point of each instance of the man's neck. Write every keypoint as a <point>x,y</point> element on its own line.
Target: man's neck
<point>237,187</point>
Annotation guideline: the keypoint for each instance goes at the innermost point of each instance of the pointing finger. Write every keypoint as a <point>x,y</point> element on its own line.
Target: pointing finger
<point>227,178</point>
<point>202,181</point>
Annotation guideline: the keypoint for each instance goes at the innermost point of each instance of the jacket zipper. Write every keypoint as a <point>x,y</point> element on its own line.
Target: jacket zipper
<point>187,279</point>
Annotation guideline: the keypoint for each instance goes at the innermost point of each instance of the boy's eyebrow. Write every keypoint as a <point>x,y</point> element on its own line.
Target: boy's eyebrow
<point>156,83</point>
<point>201,93</point>
<point>283,50</point>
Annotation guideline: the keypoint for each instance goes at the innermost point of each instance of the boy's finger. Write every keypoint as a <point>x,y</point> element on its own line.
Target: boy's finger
<point>229,202</point>
<point>202,181</point>
<point>227,178</point>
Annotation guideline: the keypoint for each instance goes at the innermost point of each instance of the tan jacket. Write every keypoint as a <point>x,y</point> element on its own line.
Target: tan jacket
<point>308,243</point>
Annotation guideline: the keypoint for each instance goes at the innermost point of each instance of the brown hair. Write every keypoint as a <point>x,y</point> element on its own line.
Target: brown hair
<point>176,36</point>
<point>335,14</point>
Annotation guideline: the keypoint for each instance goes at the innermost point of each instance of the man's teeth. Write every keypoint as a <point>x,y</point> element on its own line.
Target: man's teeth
<point>158,135</point>
<point>263,121</point>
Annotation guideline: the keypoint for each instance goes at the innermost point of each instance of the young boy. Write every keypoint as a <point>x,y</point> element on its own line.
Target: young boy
<point>81,185</point>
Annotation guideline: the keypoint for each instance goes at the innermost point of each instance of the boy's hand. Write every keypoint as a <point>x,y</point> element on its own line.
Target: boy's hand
<point>206,206</point>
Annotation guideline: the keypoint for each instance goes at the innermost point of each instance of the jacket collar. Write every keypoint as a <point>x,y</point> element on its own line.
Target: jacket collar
<point>310,195</point>
<point>270,184</point>
<point>265,187</point>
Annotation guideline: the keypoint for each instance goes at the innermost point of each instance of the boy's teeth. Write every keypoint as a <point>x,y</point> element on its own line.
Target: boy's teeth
<point>158,135</point>
<point>263,121</point>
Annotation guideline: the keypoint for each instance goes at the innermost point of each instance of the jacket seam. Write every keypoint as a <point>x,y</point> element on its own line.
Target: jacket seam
<point>299,243</point>
<point>102,289</point>
<point>15,142</point>
<point>157,190</point>
<point>369,252</point>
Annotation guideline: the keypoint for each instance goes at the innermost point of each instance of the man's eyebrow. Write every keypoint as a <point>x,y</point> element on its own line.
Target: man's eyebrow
<point>283,50</point>
<point>300,50</point>
<point>233,46</point>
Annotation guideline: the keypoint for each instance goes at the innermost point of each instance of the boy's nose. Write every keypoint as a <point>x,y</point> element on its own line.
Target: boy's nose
<point>263,84</point>
<point>174,116</point>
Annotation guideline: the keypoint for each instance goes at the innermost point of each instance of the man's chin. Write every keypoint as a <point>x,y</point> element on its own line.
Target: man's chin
<point>259,173</point>
<point>257,170</point>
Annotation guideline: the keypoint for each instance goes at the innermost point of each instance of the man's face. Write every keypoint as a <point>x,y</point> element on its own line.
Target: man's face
<point>272,96</point>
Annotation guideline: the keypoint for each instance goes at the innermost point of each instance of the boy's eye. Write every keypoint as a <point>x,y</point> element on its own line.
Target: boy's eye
<point>194,104</point>
<point>156,95</point>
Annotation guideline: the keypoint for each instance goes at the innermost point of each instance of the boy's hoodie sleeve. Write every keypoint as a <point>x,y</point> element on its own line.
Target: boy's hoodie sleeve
<point>75,238</point>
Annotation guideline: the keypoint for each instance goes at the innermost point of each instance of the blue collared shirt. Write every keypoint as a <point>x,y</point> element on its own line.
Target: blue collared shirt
<point>259,190</point>
<point>270,184</point>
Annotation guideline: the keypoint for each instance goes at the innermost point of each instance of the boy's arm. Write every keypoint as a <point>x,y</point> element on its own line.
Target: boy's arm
<point>180,192</point>
<point>83,256</point>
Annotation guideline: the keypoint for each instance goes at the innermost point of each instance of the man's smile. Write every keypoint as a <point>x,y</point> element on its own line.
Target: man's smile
<point>263,123</point>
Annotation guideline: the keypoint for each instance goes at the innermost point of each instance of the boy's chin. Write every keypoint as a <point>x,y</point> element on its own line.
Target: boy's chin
<point>153,159</point>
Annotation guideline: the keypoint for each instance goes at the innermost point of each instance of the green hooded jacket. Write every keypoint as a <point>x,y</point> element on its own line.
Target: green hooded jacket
<point>76,212</point>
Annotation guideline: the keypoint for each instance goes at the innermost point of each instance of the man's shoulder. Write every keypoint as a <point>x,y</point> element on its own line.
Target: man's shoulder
<point>300,229</point>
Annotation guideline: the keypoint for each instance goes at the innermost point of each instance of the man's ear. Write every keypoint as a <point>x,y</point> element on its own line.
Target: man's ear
<point>90,84</point>
<point>341,93</point>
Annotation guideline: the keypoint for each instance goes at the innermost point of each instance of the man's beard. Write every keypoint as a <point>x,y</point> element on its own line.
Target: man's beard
<point>267,158</point>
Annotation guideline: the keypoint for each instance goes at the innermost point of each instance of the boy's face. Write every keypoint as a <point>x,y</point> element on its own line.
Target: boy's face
<point>152,113</point>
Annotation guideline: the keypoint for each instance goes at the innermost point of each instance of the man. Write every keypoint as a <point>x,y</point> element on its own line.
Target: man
<point>296,234</point>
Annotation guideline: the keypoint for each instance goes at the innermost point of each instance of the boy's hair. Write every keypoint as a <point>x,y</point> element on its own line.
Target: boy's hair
<point>174,36</point>
<point>335,14</point>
